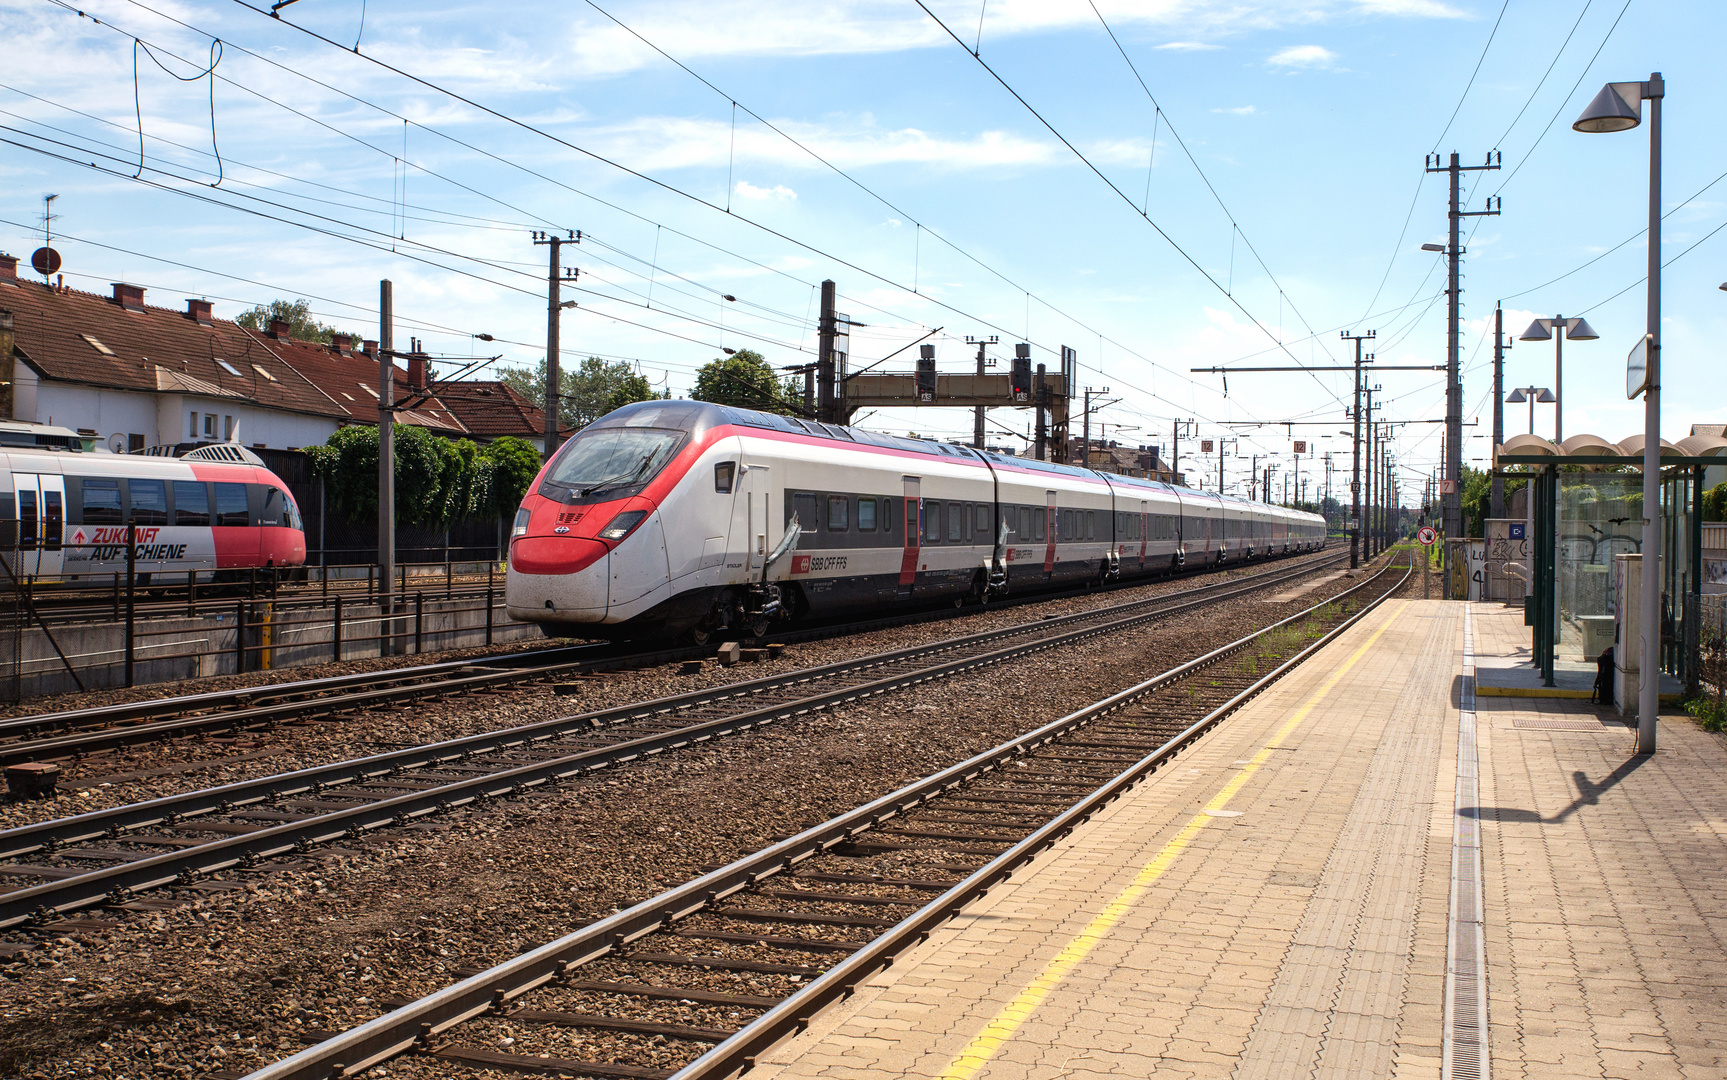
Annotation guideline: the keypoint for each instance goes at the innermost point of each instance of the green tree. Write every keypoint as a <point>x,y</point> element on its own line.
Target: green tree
<point>296,313</point>
<point>438,481</point>
<point>1715,503</point>
<point>746,380</point>
<point>589,391</point>
<point>1478,498</point>
<point>514,464</point>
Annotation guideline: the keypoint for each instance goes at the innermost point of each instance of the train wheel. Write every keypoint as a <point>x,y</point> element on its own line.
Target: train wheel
<point>699,636</point>
<point>759,627</point>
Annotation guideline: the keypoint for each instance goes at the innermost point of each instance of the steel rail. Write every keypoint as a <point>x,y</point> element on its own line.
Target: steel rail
<point>135,722</point>
<point>185,865</point>
<point>418,1023</point>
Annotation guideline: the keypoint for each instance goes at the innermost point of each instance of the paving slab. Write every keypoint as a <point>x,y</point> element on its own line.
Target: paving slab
<point>1308,936</point>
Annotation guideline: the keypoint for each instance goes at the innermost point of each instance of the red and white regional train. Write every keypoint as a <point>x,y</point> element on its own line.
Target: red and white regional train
<point>64,515</point>
<point>671,517</point>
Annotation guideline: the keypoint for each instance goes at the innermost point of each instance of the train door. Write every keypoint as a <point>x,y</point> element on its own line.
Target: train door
<point>1144,530</point>
<point>913,522</point>
<point>41,523</point>
<point>1052,529</point>
<point>752,515</point>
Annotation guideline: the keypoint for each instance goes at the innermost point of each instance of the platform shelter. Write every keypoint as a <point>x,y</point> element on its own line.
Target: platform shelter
<point>1585,509</point>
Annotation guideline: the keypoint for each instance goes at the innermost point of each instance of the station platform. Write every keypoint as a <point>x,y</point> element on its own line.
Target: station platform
<point>1504,659</point>
<point>1325,886</point>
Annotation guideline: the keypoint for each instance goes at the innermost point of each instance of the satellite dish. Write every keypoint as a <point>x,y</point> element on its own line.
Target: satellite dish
<point>46,261</point>
<point>117,442</point>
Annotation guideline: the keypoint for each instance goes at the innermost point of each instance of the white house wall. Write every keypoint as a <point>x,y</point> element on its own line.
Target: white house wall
<point>161,418</point>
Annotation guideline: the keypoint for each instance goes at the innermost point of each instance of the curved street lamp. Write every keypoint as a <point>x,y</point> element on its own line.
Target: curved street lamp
<point>1619,107</point>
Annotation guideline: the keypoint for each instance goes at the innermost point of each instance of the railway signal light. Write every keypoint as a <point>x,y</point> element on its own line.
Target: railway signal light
<point>1020,382</point>
<point>926,372</point>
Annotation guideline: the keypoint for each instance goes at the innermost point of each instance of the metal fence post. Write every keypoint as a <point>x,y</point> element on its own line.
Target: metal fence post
<point>239,637</point>
<point>131,595</point>
<point>336,629</point>
<point>488,613</point>
<point>192,594</point>
<point>419,622</point>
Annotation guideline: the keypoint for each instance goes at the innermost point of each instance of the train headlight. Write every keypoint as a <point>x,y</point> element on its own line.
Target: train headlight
<point>520,528</point>
<point>623,525</point>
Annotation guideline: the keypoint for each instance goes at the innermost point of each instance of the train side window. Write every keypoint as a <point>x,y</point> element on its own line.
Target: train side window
<point>888,522</point>
<point>839,513</point>
<point>804,505</point>
<point>931,521</point>
<point>275,510</point>
<point>149,501</point>
<point>955,523</point>
<point>866,515</point>
<point>982,517</point>
<point>724,473</point>
<point>231,506</point>
<point>8,521</point>
<point>1025,522</point>
<point>29,533</point>
<point>102,503</point>
<point>1091,524</point>
<point>1038,522</point>
<point>191,502</point>
<point>53,520</point>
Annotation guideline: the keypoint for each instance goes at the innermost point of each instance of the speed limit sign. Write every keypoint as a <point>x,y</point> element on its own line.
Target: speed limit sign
<point>1427,535</point>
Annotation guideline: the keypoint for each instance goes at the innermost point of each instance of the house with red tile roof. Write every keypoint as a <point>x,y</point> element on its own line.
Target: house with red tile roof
<point>137,375</point>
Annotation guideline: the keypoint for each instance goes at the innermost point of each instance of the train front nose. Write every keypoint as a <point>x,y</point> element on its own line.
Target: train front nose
<point>557,579</point>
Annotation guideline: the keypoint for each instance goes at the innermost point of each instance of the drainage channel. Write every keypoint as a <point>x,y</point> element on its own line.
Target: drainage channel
<point>181,839</point>
<point>654,990</point>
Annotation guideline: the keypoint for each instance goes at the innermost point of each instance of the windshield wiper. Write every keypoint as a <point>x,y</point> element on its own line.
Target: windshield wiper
<point>621,480</point>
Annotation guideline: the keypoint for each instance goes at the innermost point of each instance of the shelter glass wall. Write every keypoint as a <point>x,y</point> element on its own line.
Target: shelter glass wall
<point>1600,515</point>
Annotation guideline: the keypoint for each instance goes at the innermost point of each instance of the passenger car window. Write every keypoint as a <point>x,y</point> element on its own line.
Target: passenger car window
<point>804,505</point>
<point>149,502</point>
<point>1091,524</point>
<point>839,513</point>
<point>931,521</point>
<point>102,502</point>
<point>724,472</point>
<point>955,522</point>
<point>191,503</point>
<point>866,515</point>
<point>231,508</point>
<point>982,517</point>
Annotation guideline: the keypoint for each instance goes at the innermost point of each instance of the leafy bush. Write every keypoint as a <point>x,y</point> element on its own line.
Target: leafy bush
<point>438,481</point>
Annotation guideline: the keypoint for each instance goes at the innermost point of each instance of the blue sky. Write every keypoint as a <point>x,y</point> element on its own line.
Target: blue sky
<point>1281,162</point>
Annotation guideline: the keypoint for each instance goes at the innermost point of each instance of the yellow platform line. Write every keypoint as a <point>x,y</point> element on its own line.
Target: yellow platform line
<point>990,1040</point>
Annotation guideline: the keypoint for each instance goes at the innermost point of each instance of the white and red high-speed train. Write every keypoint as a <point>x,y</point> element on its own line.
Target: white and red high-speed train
<point>670,517</point>
<point>218,509</point>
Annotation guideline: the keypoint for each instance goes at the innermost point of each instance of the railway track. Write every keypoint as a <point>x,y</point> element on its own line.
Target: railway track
<point>695,983</point>
<point>55,736</point>
<point>109,856</point>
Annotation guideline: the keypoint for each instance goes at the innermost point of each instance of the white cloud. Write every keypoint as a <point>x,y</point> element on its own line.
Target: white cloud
<point>662,142</point>
<point>1189,46</point>
<point>1303,56</point>
<point>1239,110</point>
<point>777,193</point>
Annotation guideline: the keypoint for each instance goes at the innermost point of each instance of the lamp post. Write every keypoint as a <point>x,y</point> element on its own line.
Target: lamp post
<point>1531,394</point>
<point>1559,328</point>
<point>1619,107</point>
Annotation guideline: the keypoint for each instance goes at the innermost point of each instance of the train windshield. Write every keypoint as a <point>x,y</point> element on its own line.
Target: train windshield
<point>605,459</point>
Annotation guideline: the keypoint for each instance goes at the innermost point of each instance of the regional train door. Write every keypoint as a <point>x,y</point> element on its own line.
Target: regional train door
<point>41,522</point>
<point>753,508</point>
<point>913,523</point>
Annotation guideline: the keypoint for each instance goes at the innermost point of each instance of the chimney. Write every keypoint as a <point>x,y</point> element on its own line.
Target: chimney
<point>8,268</point>
<point>130,297</point>
<point>199,312</point>
<point>417,372</point>
<point>369,348</point>
<point>342,343</point>
<point>279,329</point>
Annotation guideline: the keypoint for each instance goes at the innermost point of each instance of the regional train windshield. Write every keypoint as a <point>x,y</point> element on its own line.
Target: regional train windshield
<point>604,460</point>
